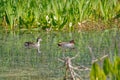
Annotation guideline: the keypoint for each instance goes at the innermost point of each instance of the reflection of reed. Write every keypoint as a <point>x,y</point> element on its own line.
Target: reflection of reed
<point>91,53</point>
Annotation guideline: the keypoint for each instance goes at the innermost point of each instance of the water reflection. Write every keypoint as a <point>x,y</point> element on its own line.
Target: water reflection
<point>13,54</point>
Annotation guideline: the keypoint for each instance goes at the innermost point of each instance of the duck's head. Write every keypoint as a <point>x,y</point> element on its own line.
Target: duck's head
<point>72,41</point>
<point>39,39</point>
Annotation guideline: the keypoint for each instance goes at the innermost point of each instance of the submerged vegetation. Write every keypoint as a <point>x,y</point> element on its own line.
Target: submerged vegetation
<point>59,14</point>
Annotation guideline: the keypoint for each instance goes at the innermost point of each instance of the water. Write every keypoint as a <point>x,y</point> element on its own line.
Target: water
<point>19,63</point>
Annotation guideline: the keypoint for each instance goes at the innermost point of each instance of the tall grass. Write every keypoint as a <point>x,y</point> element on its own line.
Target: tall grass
<point>55,14</point>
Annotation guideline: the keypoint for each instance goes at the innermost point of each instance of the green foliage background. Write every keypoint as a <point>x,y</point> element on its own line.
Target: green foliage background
<point>55,14</point>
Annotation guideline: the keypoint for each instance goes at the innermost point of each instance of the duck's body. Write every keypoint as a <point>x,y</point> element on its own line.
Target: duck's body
<point>69,44</point>
<point>33,44</point>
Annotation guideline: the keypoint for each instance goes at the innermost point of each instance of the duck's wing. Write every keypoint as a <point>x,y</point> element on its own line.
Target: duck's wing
<point>27,44</point>
<point>62,43</point>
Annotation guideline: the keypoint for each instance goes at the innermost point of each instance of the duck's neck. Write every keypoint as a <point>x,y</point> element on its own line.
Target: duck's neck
<point>38,43</point>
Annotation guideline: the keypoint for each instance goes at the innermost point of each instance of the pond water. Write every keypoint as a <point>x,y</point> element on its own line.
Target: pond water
<point>19,63</point>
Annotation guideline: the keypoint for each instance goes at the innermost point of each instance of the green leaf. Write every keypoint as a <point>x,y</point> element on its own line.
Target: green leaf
<point>107,66</point>
<point>97,73</point>
<point>117,67</point>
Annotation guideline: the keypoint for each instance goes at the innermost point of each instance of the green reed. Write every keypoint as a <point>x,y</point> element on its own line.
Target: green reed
<point>18,14</point>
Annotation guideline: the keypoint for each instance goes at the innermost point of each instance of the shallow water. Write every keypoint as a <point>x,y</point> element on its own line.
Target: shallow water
<point>19,63</point>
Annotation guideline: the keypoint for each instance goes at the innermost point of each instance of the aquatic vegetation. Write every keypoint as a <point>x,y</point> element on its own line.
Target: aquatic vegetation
<point>110,70</point>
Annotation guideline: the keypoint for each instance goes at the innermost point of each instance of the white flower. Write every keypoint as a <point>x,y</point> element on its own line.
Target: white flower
<point>55,18</point>
<point>79,24</point>
<point>70,24</point>
<point>47,18</point>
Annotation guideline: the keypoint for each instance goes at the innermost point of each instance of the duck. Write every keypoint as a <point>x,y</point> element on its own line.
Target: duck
<point>69,45</point>
<point>33,44</point>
